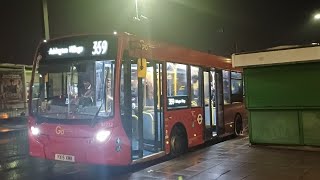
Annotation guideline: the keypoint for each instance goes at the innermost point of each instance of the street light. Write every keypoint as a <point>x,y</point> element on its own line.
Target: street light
<point>137,12</point>
<point>45,19</point>
<point>139,15</point>
<point>317,16</point>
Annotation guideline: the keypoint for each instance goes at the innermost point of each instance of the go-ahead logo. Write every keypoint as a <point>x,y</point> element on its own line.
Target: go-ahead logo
<point>59,130</point>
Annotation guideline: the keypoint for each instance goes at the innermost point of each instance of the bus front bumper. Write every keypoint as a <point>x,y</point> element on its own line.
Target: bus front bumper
<point>115,151</point>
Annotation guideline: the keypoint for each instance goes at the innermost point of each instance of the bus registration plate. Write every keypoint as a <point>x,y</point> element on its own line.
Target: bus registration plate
<point>63,157</point>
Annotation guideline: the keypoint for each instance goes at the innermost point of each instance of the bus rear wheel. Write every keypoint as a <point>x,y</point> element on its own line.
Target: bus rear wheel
<point>178,141</point>
<point>238,128</point>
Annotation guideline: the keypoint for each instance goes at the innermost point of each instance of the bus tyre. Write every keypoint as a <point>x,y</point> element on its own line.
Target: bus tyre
<point>178,141</point>
<point>238,127</point>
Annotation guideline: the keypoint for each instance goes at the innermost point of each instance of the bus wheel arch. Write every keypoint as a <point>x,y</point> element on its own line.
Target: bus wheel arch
<point>238,124</point>
<point>178,140</point>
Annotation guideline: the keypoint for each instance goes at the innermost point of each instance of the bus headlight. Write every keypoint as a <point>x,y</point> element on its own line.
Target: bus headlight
<point>35,130</point>
<point>102,135</point>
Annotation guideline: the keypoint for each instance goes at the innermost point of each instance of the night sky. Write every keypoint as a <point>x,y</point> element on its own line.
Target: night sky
<point>221,26</point>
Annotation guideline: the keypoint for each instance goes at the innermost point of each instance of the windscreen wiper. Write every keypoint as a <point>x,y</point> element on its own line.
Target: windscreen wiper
<point>93,120</point>
<point>39,94</point>
<point>103,100</point>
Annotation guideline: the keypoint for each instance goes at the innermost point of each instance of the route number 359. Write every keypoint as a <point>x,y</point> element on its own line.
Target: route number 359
<point>99,47</point>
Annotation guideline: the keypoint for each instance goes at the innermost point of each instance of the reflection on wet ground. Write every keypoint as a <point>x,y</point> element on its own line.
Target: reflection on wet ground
<point>16,164</point>
<point>232,159</point>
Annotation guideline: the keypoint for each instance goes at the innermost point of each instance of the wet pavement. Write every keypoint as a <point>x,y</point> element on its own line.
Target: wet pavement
<point>236,159</point>
<point>16,164</point>
<point>12,124</point>
<point>231,159</point>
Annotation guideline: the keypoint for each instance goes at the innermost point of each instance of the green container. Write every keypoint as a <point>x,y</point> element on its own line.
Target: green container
<point>311,127</point>
<point>274,127</point>
<point>284,104</point>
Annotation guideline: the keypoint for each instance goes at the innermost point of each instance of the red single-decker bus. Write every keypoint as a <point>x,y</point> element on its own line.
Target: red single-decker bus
<point>121,100</point>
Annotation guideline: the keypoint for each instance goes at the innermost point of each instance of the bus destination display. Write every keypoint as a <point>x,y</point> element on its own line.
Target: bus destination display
<point>80,48</point>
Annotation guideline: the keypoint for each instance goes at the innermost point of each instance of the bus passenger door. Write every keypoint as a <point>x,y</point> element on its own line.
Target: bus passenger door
<point>219,103</point>
<point>209,104</point>
<point>152,109</point>
<point>147,110</point>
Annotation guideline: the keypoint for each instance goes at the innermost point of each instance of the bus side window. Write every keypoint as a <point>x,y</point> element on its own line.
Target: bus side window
<point>226,87</point>
<point>195,87</point>
<point>236,87</point>
<point>177,86</point>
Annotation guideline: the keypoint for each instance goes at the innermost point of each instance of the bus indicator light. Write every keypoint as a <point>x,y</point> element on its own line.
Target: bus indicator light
<point>199,119</point>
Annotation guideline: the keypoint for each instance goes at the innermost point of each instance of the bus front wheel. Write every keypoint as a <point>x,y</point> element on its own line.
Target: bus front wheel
<point>178,141</point>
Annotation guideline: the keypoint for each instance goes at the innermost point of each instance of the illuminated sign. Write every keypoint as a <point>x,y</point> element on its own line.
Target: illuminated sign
<point>177,101</point>
<point>83,47</point>
<point>70,50</point>
<point>99,47</point>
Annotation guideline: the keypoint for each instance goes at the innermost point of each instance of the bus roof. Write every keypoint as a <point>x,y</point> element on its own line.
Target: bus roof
<point>173,53</point>
<point>273,56</point>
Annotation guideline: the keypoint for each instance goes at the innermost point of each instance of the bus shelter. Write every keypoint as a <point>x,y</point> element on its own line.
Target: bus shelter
<point>282,89</point>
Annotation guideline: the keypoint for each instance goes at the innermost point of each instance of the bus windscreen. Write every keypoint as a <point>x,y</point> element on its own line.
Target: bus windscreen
<point>76,91</point>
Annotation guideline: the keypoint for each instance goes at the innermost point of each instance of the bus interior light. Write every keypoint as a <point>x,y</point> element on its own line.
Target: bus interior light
<point>102,135</point>
<point>35,130</point>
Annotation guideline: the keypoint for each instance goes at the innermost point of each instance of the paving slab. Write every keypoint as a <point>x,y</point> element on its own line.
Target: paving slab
<point>237,159</point>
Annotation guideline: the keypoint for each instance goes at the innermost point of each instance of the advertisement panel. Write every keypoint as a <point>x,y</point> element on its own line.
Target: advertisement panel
<point>11,86</point>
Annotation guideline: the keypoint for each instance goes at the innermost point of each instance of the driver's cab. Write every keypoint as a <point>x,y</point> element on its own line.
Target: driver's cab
<point>76,90</point>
